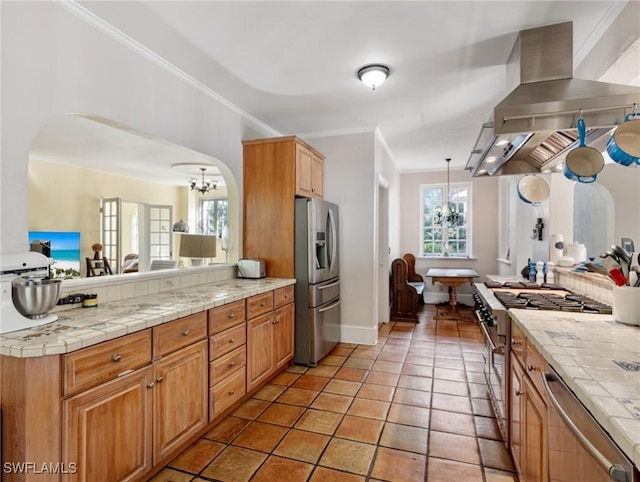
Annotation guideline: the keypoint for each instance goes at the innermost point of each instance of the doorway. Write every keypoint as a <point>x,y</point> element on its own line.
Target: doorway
<point>383,250</point>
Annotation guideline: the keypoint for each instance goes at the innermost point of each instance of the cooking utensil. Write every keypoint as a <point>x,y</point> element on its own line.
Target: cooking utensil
<point>597,268</point>
<point>636,270</point>
<point>624,144</point>
<point>624,259</point>
<point>615,272</point>
<point>533,190</point>
<point>583,163</point>
<point>34,298</point>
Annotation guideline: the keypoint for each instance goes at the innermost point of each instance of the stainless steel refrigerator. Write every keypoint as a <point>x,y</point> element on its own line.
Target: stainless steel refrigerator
<point>317,270</point>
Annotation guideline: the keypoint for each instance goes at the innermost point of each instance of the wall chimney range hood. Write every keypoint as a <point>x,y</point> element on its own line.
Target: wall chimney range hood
<point>534,127</point>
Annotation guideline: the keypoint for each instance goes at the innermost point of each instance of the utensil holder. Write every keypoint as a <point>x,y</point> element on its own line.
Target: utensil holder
<point>626,305</point>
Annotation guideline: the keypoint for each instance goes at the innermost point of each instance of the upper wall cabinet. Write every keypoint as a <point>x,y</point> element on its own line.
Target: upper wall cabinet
<point>309,169</point>
<point>275,171</point>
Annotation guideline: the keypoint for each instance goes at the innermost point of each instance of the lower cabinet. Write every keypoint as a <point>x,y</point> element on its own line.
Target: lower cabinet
<point>107,430</point>
<point>180,398</point>
<point>270,338</point>
<point>118,430</point>
<point>260,359</point>
<point>528,413</point>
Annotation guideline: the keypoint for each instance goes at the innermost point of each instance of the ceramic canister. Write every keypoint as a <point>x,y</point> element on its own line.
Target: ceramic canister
<point>556,247</point>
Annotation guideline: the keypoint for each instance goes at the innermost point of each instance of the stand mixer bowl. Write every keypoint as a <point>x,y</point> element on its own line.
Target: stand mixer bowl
<point>34,298</point>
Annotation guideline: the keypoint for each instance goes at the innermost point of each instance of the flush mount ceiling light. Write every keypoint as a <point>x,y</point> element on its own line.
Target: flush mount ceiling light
<point>373,75</point>
<point>206,185</point>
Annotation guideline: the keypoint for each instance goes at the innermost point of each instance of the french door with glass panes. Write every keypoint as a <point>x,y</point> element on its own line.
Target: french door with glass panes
<point>147,228</point>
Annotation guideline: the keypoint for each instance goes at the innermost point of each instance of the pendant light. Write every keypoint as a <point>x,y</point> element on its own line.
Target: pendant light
<point>448,216</point>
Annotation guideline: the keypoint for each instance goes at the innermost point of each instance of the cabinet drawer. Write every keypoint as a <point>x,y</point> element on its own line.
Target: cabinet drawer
<point>225,365</point>
<point>226,316</point>
<point>227,340</point>
<point>226,393</point>
<point>517,342</point>
<point>91,366</point>
<point>180,333</point>
<point>535,365</point>
<point>283,296</point>
<point>259,304</point>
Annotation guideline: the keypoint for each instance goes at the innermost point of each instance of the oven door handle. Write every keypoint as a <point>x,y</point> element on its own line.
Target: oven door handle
<point>615,471</point>
<point>485,332</point>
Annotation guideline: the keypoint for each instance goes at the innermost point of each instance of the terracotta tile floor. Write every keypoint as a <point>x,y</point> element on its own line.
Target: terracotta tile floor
<point>412,408</point>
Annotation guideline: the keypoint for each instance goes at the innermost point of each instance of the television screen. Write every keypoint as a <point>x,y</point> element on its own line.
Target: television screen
<point>65,250</point>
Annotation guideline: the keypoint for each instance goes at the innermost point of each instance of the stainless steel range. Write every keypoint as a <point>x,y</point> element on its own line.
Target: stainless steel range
<point>492,302</point>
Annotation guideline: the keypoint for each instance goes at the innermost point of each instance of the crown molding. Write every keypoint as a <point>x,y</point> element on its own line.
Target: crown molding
<point>110,31</point>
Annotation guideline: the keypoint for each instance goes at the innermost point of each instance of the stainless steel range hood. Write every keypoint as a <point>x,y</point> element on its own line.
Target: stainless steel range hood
<point>533,128</point>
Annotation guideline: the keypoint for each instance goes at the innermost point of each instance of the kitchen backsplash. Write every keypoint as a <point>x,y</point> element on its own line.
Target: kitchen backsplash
<point>593,285</point>
<point>121,287</point>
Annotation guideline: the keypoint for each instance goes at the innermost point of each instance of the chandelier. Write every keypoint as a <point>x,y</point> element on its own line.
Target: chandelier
<point>447,215</point>
<point>205,186</point>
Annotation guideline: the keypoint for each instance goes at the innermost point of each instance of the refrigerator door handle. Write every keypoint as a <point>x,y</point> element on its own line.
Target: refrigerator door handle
<point>330,307</point>
<point>331,285</point>
<point>334,241</point>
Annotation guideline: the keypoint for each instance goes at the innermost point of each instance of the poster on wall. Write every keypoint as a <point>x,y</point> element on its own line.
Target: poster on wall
<point>63,247</point>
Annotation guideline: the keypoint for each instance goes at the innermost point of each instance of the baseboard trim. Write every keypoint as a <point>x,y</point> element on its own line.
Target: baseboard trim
<point>362,335</point>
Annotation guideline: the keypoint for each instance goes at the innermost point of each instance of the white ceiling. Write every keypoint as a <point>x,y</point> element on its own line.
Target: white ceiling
<point>292,65</point>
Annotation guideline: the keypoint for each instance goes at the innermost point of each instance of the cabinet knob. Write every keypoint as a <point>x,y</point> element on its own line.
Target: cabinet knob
<point>232,340</point>
<point>150,385</point>
<point>116,357</point>
<point>232,364</point>
<point>278,319</point>
<point>232,315</point>
<point>263,304</point>
<point>518,393</point>
<point>185,332</point>
<point>159,379</point>
<point>530,367</point>
<point>516,342</point>
<point>232,392</point>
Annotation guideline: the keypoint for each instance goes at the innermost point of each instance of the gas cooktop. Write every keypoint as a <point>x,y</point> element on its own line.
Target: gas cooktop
<point>523,295</point>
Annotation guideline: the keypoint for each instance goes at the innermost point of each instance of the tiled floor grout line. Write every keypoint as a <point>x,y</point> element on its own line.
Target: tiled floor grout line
<point>429,336</point>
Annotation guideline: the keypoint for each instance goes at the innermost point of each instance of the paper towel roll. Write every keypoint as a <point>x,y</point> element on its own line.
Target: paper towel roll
<point>556,248</point>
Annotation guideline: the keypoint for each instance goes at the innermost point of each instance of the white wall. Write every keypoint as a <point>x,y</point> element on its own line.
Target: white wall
<point>351,182</point>
<point>485,227</point>
<point>54,63</point>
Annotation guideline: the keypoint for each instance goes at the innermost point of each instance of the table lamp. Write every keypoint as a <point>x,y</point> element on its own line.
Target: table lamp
<point>197,246</point>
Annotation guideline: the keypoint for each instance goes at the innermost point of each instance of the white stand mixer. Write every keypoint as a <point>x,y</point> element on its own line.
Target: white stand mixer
<point>17,267</point>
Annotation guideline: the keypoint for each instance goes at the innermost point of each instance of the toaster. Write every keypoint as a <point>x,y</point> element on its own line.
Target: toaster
<point>251,268</point>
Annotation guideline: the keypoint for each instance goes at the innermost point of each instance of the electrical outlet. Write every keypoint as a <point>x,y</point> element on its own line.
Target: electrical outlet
<point>171,283</point>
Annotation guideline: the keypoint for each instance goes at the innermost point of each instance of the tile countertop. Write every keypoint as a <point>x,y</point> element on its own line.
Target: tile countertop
<point>83,327</point>
<point>599,360</point>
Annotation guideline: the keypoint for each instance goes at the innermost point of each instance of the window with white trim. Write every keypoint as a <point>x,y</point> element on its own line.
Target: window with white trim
<point>445,228</point>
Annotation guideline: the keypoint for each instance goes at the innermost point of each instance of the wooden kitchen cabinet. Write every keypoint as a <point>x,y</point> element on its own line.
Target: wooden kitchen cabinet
<point>528,410</point>
<point>309,172</point>
<point>270,337</point>
<point>180,398</point>
<point>119,429</point>
<point>275,171</point>
<point>228,356</point>
<point>283,335</point>
<point>107,430</point>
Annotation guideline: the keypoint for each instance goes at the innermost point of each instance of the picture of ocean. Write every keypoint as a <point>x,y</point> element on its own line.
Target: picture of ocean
<point>65,247</point>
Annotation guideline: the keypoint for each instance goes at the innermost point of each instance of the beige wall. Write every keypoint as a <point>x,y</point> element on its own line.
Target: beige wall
<point>484,226</point>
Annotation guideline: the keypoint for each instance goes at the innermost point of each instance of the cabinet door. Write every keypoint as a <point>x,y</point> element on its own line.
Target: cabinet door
<point>304,160</point>
<point>107,430</point>
<point>260,359</point>
<point>283,335</point>
<point>317,179</point>
<point>516,410</point>
<point>535,435</point>
<point>181,397</point>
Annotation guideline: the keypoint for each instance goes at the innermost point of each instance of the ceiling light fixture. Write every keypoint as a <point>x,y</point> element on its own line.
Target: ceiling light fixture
<point>373,75</point>
<point>206,186</point>
<point>448,216</point>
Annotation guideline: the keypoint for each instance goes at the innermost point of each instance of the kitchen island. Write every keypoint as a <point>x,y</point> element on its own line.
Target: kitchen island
<point>599,360</point>
<point>115,392</point>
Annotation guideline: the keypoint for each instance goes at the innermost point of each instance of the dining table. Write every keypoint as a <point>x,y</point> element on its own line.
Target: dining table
<point>452,278</point>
